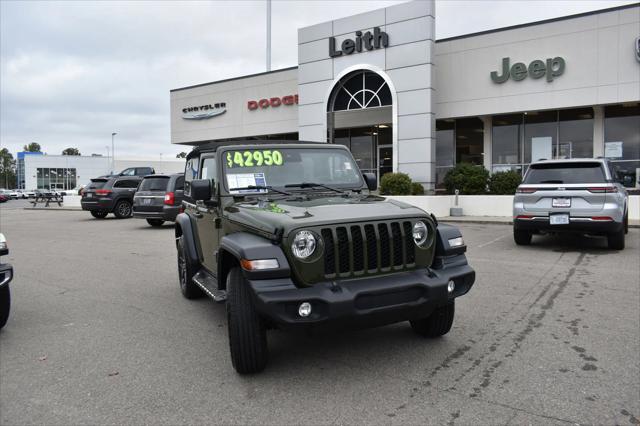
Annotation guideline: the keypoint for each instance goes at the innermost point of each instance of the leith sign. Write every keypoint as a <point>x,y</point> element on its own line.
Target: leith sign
<point>554,67</point>
<point>367,41</point>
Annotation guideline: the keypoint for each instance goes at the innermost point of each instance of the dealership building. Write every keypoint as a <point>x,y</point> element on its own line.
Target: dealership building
<point>36,170</point>
<point>402,101</point>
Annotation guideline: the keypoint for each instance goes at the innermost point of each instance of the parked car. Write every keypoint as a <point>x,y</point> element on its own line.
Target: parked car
<point>29,193</point>
<point>159,198</point>
<point>4,198</point>
<point>13,194</point>
<point>578,195</point>
<point>137,171</point>
<point>291,236</point>
<point>110,195</point>
<point>6,275</point>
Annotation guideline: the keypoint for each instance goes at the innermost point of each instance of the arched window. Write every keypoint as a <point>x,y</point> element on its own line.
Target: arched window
<point>360,90</point>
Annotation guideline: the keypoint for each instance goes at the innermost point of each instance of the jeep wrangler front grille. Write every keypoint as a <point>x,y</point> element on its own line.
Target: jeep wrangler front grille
<point>368,249</point>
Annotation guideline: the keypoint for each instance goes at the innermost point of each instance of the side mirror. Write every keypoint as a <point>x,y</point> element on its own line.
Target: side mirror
<point>371,180</point>
<point>201,189</point>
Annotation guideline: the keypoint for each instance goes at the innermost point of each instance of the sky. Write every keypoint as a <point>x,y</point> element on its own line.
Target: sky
<point>71,73</point>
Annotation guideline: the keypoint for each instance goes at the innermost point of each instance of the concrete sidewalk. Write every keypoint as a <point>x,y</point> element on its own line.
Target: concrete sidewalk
<point>500,220</point>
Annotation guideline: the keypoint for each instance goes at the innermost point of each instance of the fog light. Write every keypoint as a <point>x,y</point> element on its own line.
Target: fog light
<point>304,310</point>
<point>451,286</point>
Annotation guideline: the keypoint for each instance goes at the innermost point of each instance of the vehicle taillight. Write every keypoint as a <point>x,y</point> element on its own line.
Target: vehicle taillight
<point>602,218</point>
<point>602,189</point>
<point>524,216</point>
<point>103,191</point>
<point>169,198</point>
<point>525,190</point>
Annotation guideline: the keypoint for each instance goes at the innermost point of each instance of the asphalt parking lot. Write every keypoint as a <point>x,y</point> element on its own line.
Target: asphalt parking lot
<point>99,333</point>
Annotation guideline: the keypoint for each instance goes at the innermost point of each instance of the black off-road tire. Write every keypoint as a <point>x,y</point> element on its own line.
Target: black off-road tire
<point>5,304</point>
<point>522,237</point>
<point>247,332</point>
<point>99,214</point>
<point>615,240</point>
<point>437,324</point>
<point>123,209</point>
<point>626,222</point>
<point>155,222</point>
<point>188,288</point>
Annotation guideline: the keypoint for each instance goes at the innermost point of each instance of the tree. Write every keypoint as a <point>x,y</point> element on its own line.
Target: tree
<point>33,147</point>
<point>182,155</point>
<point>71,151</point>
<point>7,169</point>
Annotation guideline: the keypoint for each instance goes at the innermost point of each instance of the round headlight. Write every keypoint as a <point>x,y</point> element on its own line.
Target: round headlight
<point>304,244</point>
<point>420,233</point>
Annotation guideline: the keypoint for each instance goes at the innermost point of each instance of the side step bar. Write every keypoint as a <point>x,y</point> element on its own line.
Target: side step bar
<point>209,285</point>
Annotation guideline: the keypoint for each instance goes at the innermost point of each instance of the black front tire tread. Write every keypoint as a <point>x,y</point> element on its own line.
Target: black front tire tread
<point>99,214</point>
<point>189,290</point>
<point>522,237</point>
<point>155,222</point>
<point>247,332</point>
<point>437,324</point>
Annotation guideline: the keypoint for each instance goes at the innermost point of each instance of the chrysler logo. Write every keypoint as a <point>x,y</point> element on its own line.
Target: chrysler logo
<point>204,111</point>
<point>638,48</point>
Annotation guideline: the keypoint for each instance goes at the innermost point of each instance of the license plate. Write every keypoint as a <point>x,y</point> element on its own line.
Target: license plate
<point>559,219</point>
<point>561,202</point>
<point>88,194</point>
<point>146,201</point>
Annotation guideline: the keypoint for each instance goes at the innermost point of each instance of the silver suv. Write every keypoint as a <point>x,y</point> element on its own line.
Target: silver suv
<point>579,195</point>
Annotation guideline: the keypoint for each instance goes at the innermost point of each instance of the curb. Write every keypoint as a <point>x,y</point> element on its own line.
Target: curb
<point>49,209</point>
<point>495,222</point>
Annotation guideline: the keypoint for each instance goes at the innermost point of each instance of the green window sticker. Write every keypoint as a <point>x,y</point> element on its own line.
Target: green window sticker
<point>256,158</point>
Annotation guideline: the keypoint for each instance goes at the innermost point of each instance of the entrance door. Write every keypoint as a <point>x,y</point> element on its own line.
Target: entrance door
<point>385,160</point>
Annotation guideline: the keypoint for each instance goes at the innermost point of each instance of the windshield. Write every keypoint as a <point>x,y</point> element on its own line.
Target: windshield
<point>289,166</point>
<point>565,173</point>
<point>154,184</point>
<point>96,183</point>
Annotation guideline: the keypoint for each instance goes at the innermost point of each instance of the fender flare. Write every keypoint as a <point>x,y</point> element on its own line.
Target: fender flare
<point>184,229</point>
<point>243,245</point>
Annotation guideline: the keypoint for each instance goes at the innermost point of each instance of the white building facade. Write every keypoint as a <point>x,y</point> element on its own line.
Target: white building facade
<point>59,172</point>
<point>402,101</point>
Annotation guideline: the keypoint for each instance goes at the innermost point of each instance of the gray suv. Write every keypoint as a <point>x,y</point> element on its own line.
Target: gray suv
<point>578,195</point>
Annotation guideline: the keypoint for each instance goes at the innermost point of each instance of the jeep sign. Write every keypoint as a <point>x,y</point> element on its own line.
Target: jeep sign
<point>553,68</point>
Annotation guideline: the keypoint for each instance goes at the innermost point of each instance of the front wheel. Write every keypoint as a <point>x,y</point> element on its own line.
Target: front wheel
<point>5,304</point>
<point>522,237</point>
<point>155,222</point>
<point>99,214</point>
<point>247,333</point>
<point>437,324</point>
<point>123,209</point>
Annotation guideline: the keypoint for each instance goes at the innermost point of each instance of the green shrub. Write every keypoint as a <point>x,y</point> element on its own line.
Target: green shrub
<point>469,179</point>
<point>417,188</point>
<point>395,184</point>
<point>504,183</point>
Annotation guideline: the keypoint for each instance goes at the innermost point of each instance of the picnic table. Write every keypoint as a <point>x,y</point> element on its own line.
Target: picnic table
<point>47,198</point>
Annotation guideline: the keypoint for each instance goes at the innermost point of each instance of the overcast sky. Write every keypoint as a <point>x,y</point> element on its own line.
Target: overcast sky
<point>74,72</point>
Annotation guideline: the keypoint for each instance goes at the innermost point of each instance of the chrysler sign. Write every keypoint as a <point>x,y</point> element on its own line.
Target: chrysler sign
<point>204,111</point>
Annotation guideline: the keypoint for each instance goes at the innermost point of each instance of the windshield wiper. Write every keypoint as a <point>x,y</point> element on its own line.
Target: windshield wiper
<point>313,185</point>
<point>268,187</point>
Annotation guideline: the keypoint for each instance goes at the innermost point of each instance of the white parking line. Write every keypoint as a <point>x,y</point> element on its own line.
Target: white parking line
<point>494,240</point>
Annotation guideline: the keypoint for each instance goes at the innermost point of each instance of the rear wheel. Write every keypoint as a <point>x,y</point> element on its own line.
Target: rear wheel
<point>247,332</point>
<point>5,304</point>
<point>615,240</point>
<point>521,237</point>
<point>626,223</point>
<point>99,214</point>
<point>185,273</point>
<point>155,222</point>
<point>437,324</point>
<point>123,209</point>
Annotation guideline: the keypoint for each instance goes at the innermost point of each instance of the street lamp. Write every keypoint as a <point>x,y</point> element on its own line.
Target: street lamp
<point>108,158</point>
<point>113,152</point>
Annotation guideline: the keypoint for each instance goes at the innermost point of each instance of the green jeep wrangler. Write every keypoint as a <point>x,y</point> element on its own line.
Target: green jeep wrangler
<point>289,235</point>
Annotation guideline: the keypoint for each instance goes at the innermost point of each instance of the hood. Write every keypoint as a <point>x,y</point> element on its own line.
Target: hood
<point>293,213</point>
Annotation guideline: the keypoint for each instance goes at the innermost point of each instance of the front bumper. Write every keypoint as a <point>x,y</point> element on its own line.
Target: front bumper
<point>6,274</point>
<point>362,302</point>
<point>576,224</point>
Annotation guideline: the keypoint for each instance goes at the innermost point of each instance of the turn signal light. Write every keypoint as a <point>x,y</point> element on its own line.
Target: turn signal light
<point>169,198</point>
<point>259,264</point>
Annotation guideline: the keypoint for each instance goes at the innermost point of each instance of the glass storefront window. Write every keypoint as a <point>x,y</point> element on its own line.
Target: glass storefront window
<point>575,133</point>
<point>445,149</point>
<point>540,133</point>
<point>622,141</point>
<point>469,140</point>
<point>506,137</point>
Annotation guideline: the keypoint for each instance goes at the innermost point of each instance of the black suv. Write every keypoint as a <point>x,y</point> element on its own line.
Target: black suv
<point>290,235</point>
<point>159,198</point>
<point>110,195</point>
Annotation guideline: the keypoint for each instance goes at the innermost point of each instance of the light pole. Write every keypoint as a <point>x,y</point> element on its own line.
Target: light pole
<point>108,158</point>
<point>113,152</point>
